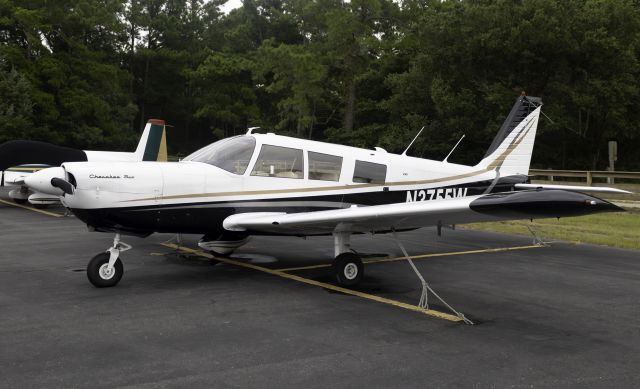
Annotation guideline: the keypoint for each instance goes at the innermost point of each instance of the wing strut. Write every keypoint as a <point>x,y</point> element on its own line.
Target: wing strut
<point>424,297</point>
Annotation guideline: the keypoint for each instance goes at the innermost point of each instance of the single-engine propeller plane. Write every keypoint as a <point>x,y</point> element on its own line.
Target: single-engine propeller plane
<point>21,158</point>
<point>266,184</point>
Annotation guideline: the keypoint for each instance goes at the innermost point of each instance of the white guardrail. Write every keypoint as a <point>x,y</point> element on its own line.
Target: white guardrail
<point>588,175</point>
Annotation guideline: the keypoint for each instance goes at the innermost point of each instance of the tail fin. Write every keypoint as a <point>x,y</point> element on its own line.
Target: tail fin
<point>510,152</point>
<point>153,143</point>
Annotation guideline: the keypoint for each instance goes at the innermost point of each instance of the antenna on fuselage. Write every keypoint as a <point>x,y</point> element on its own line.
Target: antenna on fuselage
<point>454,147</point>
<point>250,130</point>
<point>414,139</point>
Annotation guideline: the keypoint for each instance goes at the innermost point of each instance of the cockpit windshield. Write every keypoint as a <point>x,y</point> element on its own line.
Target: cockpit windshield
<point>232,155</point>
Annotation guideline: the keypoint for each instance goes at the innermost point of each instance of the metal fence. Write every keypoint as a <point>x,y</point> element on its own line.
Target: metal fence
<point>588,175</point>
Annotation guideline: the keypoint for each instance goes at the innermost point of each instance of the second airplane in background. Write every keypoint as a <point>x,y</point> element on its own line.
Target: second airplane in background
<point>20,158</point>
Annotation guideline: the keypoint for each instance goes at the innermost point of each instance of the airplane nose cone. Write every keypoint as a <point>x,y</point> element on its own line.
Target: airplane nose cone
<point>41,181</point>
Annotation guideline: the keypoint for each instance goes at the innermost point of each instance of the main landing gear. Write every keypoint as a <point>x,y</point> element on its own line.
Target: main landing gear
<point>349,270</point>
<point>347,265</point>
<point>106,269</point>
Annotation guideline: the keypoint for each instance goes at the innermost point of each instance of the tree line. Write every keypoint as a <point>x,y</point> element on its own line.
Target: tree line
<point>89,73</point>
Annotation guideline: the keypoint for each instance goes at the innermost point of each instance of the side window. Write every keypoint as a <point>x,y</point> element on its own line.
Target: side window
<point>324,167</point>
<point>369,172</point>
<point>276,161</point>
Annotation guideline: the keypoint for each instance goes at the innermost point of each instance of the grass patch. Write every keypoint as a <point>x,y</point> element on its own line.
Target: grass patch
<point>620,229</point>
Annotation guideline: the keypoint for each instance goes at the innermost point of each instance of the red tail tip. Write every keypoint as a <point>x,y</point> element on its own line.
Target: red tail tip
<point>156,121</point>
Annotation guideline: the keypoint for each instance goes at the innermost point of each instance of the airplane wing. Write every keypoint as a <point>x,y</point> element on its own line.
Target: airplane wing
<point>377,218</point>
<point>573,188</point>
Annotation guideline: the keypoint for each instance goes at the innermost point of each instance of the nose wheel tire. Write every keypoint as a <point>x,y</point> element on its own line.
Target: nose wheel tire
<point>99,273</point>
<point>348,269</point>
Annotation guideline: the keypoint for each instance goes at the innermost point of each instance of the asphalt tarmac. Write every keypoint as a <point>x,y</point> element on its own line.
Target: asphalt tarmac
<point>560,316</point>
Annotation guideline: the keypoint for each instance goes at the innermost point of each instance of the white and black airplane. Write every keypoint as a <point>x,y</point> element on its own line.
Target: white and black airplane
<point>21,158</point>
<point>266,184</point>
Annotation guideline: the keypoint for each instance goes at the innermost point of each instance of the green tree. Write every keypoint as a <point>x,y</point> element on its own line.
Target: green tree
<point>16,107</point>
<point>295,77</point>
<point>89,73</point>
<point>68,50</point>
<point>471,59</point>
<point>225,93</point>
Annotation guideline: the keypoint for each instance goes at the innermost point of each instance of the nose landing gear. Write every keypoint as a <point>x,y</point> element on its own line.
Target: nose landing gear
<point>106,269</point>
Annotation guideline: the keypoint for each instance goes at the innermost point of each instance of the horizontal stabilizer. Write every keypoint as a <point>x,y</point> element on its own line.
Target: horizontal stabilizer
<point>12,180</point>
<point>573,188</point>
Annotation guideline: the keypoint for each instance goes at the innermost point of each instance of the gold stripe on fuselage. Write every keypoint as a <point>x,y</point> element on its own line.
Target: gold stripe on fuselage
<point>26,169</point>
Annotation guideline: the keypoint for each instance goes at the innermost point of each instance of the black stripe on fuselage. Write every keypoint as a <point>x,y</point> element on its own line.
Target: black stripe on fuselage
<point>207,217</point>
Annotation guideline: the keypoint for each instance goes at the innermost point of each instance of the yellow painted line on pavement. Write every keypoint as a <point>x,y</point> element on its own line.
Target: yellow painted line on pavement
<point>54,214</point>
<point>280,273</point>
<point>413,257</point>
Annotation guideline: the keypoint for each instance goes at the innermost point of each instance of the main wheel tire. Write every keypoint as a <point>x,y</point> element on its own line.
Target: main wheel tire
<point>21,201</point>
<point>98,274</point>
<point>348,268</point>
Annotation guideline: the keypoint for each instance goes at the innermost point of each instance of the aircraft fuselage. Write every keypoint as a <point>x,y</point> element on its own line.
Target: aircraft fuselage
<point>195,197</point>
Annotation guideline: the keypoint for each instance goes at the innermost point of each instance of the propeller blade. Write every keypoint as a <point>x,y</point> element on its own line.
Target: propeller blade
<point>65,186</point>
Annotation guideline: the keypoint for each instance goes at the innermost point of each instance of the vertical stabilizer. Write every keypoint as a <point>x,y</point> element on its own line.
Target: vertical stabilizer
<point>153,143</point>
<point>511,150</point>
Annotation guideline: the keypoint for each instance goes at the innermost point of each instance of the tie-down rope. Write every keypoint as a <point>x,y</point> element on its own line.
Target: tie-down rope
<point>424,296</point>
